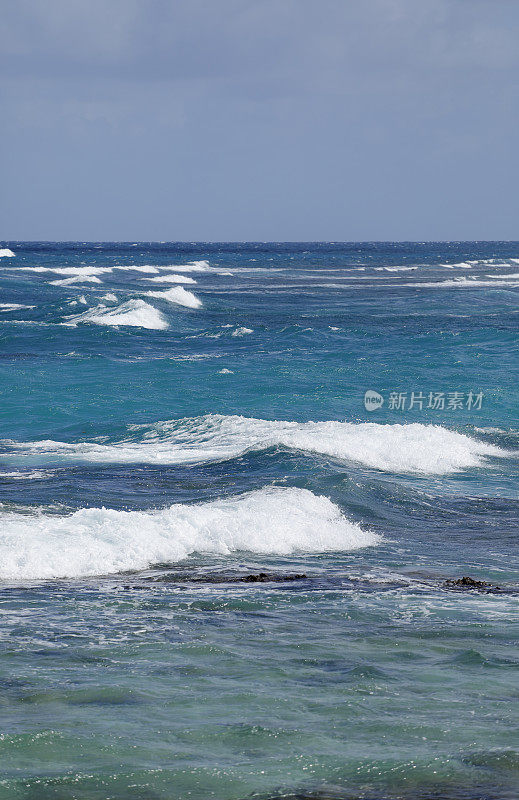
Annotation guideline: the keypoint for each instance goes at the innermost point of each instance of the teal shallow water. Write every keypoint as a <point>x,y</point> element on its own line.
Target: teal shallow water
<point>145,468</point>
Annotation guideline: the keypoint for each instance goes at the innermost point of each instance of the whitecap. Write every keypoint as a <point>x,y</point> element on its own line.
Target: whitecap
<point>13,306</point>
<point>171,279</point>
<point>134,313</point>
<point>242,331</point>
<point>455,283</point>
<point>405,448</point>
<point>6,253</point>
<point>395,269</point>
<point>76,279</point>
<point>97,541</point>
<point>179,296</point>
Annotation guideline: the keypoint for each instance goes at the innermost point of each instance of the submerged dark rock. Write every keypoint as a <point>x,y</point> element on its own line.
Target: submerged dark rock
<point>257,577</point>
<point>265,577</point>
<point>469,583</point>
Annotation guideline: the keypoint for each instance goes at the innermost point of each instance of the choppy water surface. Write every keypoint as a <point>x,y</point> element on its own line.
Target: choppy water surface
<point>176,418</point>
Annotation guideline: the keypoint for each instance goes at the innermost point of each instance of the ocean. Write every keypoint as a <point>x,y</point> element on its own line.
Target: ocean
<point>238,484</point>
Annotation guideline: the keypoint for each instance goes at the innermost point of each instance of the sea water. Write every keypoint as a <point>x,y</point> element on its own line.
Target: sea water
<point>178,417</point>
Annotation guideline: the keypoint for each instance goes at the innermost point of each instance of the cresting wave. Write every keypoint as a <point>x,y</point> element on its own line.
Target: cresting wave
<point>170,279</point>
<point>411,448</point>
<point>135,313</point>
<point>179,296</point>
<point>6,253</point>
<point>98,541</point>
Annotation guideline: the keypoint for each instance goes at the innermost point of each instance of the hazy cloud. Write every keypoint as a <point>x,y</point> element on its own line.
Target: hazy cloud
<point>282,119</point>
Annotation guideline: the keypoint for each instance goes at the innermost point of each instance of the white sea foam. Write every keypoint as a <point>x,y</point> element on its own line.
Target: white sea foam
<point>97,541</point>
<point>171,279</point>
<point>111,298</point>
<point>13,306</point>
<point>394,448</point>
<point>145,268</point>
<point>460,265</point>
<point>395,269</point>
<point>196,266</point>
<point>76,279</point>
<point>6,253</point>
<point>179,296</point>
<point>242,331</point>
<point>135,313</point>
<point>191,266</point>
<point>455,283</point>
<point>510,276</point>
<point>68,270</point>
<point>31,475</point>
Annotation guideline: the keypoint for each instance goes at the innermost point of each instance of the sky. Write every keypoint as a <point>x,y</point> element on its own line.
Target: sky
<point>278,120</point>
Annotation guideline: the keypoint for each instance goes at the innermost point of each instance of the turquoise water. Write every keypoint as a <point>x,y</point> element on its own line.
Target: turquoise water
<point>177,417</point>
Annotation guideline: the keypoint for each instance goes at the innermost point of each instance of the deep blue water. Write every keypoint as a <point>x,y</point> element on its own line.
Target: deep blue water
<point>175,417</point>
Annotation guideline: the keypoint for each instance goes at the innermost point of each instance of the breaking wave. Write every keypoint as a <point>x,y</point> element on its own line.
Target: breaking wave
<point>171,279</point>
<point>13,306</point>
<point>179,296</point>
<point>410,448</point>
<point>6,253</point>
<point>135,313</point>
<point>76,279</point>
<point>459,283</point>
<point>98,541</point>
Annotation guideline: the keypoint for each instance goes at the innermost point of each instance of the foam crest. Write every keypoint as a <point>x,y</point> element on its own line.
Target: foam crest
<point>76,279</point>
<point>171,279</point>
<point>135,313</point>
<point>145,268</point>
<point>460,265</point>
<point>242,332</point>
<point>98,541</point>
<point>395,269</point>
<point>457,283</point>
<point>72,271</point>
<point>412,448</point>
<point>6,253</point>
<point>191,266</point>
<point>179,296</point>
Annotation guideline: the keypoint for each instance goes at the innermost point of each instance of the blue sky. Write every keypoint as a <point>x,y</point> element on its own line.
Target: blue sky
<point>259,119</point>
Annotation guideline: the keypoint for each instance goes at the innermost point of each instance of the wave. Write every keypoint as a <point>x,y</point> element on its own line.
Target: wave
<point>512,275</point>
<point>6,253</point>
<point>410,448</point>
<point>13,306</point>
<point>135,313</point>
<point>171,279</point>
<point>145,268</point>
<point>460,265</point>
<point>395,269</point>
<point>191,266</point>
<point>195,266</point>
<point>242,331</point>
<point>67,270</point>
<point>456,283</point>
<point>179,296</point>
<point>32,475</point>
<point>76,279</point>
<point>98,541</point>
